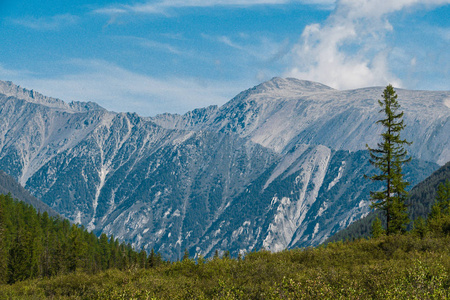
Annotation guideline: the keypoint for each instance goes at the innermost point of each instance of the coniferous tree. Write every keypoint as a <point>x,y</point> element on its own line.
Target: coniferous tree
<point>389,158</point>
<point>151,259</point>
<point>158,259</point>
<point>186,254</point>
<point>439,217</point>
<point>442,204</point>
<point>34,245</point>
<point>377,228</point>
<point>105,251</point>
<point>142,257</point>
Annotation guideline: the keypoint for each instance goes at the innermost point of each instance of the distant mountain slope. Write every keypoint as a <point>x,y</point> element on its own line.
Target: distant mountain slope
<point>421,198</point>
<point>9,89</point>
<point>281,113</point>
<point>10,185</point>
<point>252,173</point>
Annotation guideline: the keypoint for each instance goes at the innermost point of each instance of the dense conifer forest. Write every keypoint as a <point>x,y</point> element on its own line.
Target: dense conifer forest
<point>389,267</point>
<point>34,245</point>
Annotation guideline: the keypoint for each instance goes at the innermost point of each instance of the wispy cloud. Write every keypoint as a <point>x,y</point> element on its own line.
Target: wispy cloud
<point>46,23</point>
<point>118,89</point>
<point>350,49</point>
<point>259,47</point>
<point>226,40</point>
<point>161,7</point>
<point>151,44</point>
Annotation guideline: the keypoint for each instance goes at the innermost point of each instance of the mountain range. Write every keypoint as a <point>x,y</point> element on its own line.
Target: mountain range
<point>281,165</point>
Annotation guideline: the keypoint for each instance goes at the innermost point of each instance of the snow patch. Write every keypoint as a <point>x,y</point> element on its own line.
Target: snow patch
<point>322,209</point>
<point>447,102</point>
<point>339,176</point>
<point>167,212</point>
<point>78,218</point>
<point>237,233</point>
<point>316,230</point>
<point>102,176</point>
<point>183,138</point>
<point>291,212</point>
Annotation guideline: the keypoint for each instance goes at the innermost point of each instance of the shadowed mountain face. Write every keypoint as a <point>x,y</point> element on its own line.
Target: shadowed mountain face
<point>9,185</point>
<point>278,166</point>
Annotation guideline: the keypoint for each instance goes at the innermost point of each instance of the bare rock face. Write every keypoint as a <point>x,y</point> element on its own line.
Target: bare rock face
<point>281,113</point>
<point>279,166</point>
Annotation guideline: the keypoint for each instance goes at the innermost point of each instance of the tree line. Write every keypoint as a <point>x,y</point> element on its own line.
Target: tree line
<point>34,245</point>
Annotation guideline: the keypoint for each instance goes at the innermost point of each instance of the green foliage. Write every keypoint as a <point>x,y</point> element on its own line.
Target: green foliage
<point>34,245</point>
<point>186,254</point>
<point>377,228</point>
<point>3,254</point>
<point>439,218</point>
<point>389,267</point>
<point>389,158</point>
<point>420,227</point>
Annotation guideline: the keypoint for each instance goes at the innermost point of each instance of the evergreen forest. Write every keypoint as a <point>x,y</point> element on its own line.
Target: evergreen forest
<point>34,245</point>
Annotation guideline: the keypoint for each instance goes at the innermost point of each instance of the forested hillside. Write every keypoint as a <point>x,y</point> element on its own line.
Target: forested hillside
<point>34,245</point>
<point>420,200</point>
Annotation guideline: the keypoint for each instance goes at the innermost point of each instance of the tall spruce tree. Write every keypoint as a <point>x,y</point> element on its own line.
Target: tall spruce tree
<point>389,158</point>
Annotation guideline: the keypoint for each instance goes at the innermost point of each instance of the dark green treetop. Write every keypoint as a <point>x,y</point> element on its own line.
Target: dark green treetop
<point>439,217</point>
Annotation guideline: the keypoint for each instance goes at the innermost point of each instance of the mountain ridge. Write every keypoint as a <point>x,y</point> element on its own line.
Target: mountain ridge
<point>278,121</point>
<point>246,175</point>
<point>8,88</point>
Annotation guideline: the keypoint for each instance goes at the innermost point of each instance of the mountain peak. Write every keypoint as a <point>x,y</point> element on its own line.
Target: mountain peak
<point>10,89</point>
<point>291,85</point>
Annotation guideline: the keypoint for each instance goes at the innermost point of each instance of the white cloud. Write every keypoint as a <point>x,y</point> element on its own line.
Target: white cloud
<point>160,7</point>
<point>120,90</point>
<point>151,44</point>
<point>47,23</point>
<point>258,47</point>
<point>349,50</point>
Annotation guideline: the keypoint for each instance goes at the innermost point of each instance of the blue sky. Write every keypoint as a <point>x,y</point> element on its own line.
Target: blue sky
<point>161,56</point>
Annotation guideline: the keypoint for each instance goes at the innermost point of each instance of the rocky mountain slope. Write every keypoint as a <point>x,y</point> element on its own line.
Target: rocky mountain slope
<point>10,186</point>
<point>271,168</point>
<point>281,113</point>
